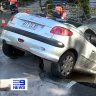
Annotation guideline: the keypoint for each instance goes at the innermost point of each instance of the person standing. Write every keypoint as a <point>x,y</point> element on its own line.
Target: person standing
<point>13,6</point>
<point>58,11</point>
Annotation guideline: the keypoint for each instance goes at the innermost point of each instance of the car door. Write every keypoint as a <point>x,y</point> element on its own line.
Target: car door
<point>91,37</point>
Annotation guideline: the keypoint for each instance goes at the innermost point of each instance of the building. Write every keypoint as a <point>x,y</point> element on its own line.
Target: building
<point>92,3</point>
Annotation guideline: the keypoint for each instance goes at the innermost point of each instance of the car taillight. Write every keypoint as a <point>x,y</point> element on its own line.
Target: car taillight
<point>11,19</point>
<point>61,31</point>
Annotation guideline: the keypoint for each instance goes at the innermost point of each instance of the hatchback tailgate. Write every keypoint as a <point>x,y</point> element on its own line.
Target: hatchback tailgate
<point>34,24</point>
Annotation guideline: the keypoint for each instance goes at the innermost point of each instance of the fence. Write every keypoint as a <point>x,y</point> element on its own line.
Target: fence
<point>92,6</point>
<point>75,10</point>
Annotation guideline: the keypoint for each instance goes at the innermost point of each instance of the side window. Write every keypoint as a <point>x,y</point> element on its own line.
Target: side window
<point>90,36</point>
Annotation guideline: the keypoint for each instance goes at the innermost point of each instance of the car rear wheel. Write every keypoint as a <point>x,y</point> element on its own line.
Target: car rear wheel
<point>64,66</point>
<point>11,51</point>
<point>66,63</point>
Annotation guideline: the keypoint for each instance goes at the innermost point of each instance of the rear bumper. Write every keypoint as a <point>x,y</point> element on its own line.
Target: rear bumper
<point>41,46</point>
<point>35,36</point>
<point>40,51</point>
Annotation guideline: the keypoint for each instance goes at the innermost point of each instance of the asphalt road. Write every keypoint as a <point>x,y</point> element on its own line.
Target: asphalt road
<point>27,67</point>
<point>80,77</point>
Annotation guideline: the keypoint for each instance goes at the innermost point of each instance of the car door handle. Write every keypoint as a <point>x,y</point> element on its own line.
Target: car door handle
<point>20,40</point>
<point>93,51</point>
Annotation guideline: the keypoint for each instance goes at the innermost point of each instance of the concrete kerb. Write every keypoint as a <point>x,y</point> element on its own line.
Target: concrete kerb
<point>0,46</point>
<point>5,84</point>
<point>30,10</point>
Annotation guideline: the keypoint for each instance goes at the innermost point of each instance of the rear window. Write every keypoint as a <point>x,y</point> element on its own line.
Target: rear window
<point>73,22</point>
<point>76,24</point>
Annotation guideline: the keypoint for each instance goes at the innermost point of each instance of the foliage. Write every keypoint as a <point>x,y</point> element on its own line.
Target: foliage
<point>25,2</point>
<point>48,2</point>
<point>85,6</point>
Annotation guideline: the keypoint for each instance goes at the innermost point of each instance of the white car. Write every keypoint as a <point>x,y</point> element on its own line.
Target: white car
<point>72,46</point>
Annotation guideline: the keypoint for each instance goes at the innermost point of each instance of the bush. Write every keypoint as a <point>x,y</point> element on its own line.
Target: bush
<point>48,2</point>
<point>25,2</point>
<point>85,5</point>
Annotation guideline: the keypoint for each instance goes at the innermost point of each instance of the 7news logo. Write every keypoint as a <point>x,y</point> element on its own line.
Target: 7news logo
<point>19,84</point>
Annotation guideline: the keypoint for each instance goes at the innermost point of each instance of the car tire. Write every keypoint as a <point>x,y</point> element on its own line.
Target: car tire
<point>11,52</point>
<point>66,63</point>
<point>64,66</point>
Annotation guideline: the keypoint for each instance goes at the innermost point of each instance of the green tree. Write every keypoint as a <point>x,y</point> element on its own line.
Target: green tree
<point>85,5</point>
<point>48,2</point>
